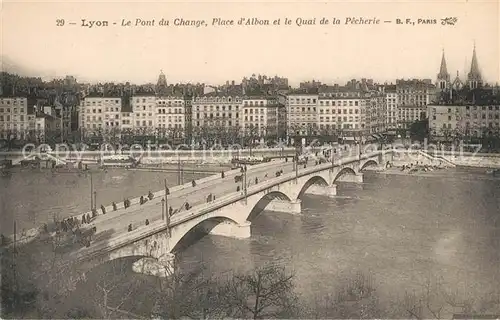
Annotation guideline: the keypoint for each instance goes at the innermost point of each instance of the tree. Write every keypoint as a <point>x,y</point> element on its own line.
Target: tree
<point>355,298</point>
<point>419,130</point>
<point>267,292</point>
<point>190,294</point>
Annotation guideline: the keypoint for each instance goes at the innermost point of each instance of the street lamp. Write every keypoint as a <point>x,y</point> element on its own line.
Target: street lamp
<point>95,199</point>
<point>244,181</point>
<point>163,209</point>
<point>296,163</point>
<point>165,202</point>
<point>91,192</point>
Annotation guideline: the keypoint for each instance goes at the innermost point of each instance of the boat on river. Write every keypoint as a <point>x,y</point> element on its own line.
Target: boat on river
<point>119,161</point>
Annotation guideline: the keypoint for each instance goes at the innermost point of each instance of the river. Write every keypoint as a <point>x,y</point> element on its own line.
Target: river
<point>401,229</point>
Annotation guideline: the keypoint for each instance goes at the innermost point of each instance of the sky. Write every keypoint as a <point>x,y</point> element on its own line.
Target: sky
<point>33,43</point>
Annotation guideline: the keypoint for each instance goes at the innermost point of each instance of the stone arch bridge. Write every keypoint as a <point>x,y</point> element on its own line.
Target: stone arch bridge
<point>230,215</point>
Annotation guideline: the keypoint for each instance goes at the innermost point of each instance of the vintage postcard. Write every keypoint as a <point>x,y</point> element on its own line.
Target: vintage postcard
<point>250,160</point>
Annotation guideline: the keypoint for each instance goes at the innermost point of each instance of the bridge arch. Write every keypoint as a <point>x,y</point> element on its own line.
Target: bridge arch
<point>369,163</point>
<point>315,180</point>
<point>262,203</point>
<point>344,171</point>
<point>192,235</point>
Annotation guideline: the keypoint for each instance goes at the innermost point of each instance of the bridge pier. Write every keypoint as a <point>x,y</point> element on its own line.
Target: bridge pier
<point>278,205</point>
<point>161,267</point>
<point>357,178</point>
<point>329,191</point>
<point>232,230</point>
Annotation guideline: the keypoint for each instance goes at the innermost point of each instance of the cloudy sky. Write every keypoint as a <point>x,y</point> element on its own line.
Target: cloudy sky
<point>31,41</point>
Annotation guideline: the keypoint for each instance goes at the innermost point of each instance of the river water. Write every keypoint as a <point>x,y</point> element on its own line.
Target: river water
<point>404,230</point>
<point>401,229</point>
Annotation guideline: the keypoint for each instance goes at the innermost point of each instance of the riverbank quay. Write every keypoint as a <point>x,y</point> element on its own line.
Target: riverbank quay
<point>469,159</point>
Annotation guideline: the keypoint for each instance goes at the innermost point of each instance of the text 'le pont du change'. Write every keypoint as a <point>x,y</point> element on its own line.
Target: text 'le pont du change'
<point>220,22</point>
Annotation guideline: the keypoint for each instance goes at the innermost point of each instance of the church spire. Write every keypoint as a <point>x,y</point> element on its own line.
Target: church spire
<point>443,71</point>
<point>443,77</point>
<point>474,77</point>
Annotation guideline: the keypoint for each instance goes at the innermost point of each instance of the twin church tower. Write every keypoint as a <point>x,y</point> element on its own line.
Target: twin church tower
<point>473,81</point>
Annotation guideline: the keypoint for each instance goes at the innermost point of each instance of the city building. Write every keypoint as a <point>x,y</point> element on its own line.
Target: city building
<point>461,121</point>
<point>413,98</point>
<point>144,113</point>
<point>14,118</point>
<point>352,113</point>
<point>391,98</point>
<point>47,128</point>
<point>100,115</point>
<point>302,114</point>
<point>216,114</point>
<point>259,117</point>
<point>170,120</point>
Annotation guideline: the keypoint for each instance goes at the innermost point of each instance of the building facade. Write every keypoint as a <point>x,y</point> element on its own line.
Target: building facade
<point>413,98</point>
<point>216,115</point>
<point>100,116</point>
<point>260,117</point>
<point>170,120</point>
<point>459,121</point>
<point>14,118</point>
<point>302,114</point>
<point>391,99</point>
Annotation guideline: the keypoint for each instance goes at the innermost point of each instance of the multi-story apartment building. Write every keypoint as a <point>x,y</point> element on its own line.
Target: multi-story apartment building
<point>100,114</point>
<point>260,117</point>
<point>391,99</point>
<point>144,113</point>
<point>413,98</point>
<point>14,118</point>
<point>341,113</point>
<point>302,114</point>
<point>216,111</point>
<point>170,117</point>
<point>446,121</point>
<point>45,125</point>
<point>376,112</point>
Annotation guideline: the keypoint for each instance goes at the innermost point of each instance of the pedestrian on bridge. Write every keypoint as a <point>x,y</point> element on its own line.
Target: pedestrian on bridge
<point>193,183</point>
<point>147,221</point>
<point>103,209</point>
<point>170,210</point>
<point>150,195</point>
<point>114,206</point>
<point>88,217</point>
<point>256,180</point>
<point>222,175</point>
<point>94,213</point>
<point>237,188</point>
<point>129,227</point>
<point>84,220</point>
<point>187,206</point>
<point>141,200</point>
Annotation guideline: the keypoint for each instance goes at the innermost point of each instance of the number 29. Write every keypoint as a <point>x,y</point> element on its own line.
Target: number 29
<point>59,22</point>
